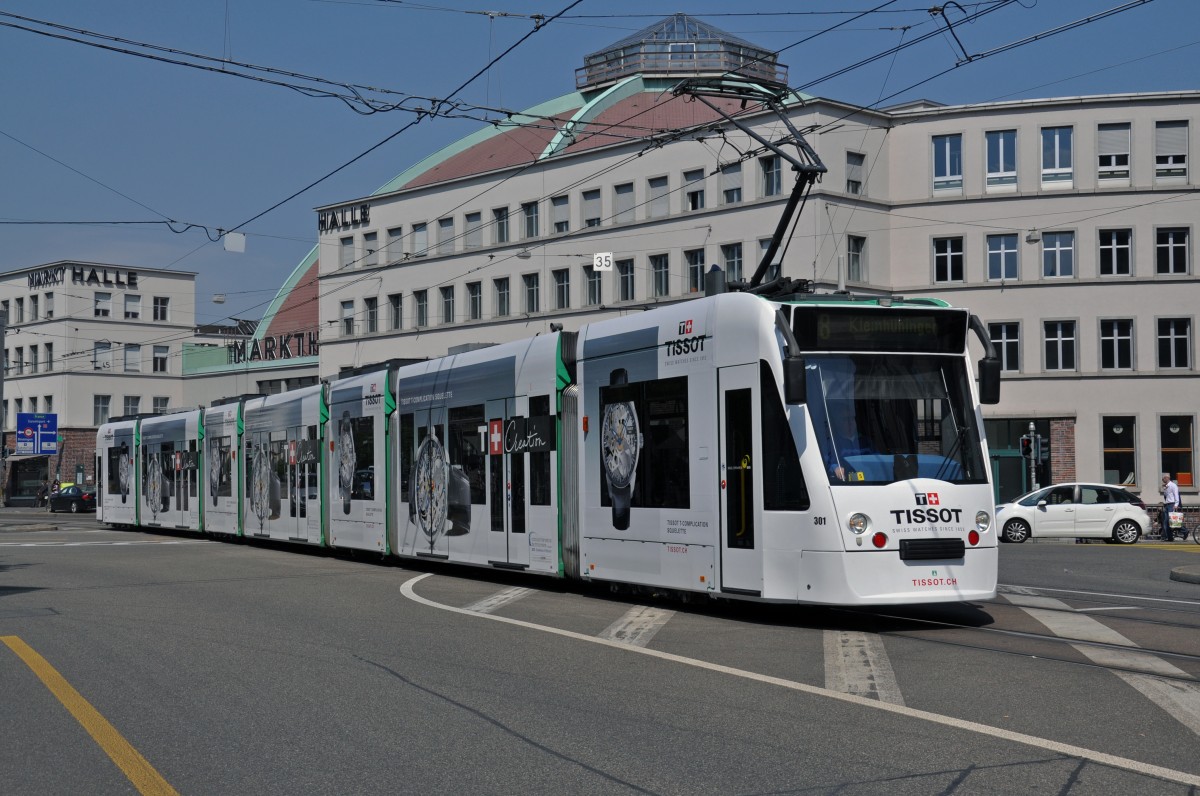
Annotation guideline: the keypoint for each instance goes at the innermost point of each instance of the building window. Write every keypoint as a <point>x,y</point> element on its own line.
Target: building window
<point>448,304</point>
<point>162,308</point>
<point>474,237</point>
<point>1174,342</point>
<point>103,305</point>
<point>101,357</point>
<point>133,359</point>
<point>445,236</point>
<point>49,305</point>
<point>660,271</point>
<point>1171,255</point>
<point>731,261</point>
<point>562,288</point>
<point>1060,345</point>
<point>420,236</point>
<point>1176,436</point>
<point>1116,344</point>
<point>21,360</point>
<point>161,404</point>
<point>33,308</point>
<point>1112,152</point>
<point>947,259</point>
<point>348,317</point>
<point>1056,156</point>
<point>346,252</point>
<point>947,162</point>
<point>659,197</point>
<point>49,356</point>
<point>625,280</point>
<point>855,172</point>
<point>856,258</point>
<point>693,190</point>
<point>421,299</point>
<point>694,260</point>
<point>731,184</point>
<point>371,311</point>
<point>776,268</point>
<point>532,293</point>
<point>1002,257</point>
<point>474,300</point>
<point>33,406</point>
<point>1006,337</point>
<point>500,225</point>
<point>1001,158</point>
<point>591,283</point>
<point>560,213</point>
<point>623,202</point>
<point>502,302</point>
<point>772,175</point>
<point>529,219</point>
<point>33,359</point>
<point>100,404</point>
<point>1170,151</point>
<point>370,248</point>
<point>1116,248</point>
<point>48,403</point>
<point>395,245</point>
<point>161,353</point>
<point>133,307</point>
<point>133,404</point>
<point>396,314</point>
<point>1058,254</point>
<point>20,316</point>
<point>591,208</point>
<point>1120,456</point>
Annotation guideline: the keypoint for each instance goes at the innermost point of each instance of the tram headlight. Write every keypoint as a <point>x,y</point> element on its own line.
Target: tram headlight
<point>983,521</point>
<point>859,523</point>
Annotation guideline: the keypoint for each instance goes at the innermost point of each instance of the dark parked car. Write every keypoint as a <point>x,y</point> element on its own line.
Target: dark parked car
<point>74,499</point>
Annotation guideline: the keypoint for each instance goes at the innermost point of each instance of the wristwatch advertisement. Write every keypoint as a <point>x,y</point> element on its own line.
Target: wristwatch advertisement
<point>346,460</point>
<point>214,471</point>
<point>620,446</point>
<point>428,500</point>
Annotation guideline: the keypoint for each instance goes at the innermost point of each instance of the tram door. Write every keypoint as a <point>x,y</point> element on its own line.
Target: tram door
<point>741,485</point>
<point>508,542</point>
<point>429,498</point>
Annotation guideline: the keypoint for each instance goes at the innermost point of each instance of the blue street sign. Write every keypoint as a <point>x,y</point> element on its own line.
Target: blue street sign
<point>37,433</point>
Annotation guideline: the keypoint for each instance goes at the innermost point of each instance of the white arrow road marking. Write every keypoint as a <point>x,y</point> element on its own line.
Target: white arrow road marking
<point>637,626</point>
<point>1180,700</point>
<point>857,663</point>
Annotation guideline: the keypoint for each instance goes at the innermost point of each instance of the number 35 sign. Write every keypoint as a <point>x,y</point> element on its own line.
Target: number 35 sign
<point>602,261</point>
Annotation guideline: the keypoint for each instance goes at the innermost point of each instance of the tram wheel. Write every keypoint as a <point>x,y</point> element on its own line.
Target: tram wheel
<point>1016,531</point>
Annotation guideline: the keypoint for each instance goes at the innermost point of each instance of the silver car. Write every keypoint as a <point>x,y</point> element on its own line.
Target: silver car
<point>1097,511</point>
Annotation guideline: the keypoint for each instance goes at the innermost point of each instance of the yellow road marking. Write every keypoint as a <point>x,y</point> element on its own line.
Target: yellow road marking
<point>129,760</point>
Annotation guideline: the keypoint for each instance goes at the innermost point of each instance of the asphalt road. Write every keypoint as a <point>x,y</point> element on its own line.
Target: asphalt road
<point>222,668</point>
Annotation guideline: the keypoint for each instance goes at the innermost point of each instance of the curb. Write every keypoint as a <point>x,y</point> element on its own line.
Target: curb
<point>1186,574</point>
<point>14,528</point>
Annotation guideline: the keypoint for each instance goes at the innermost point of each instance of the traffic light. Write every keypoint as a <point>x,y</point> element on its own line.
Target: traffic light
<point>1027,447</point>
<point>1037,447</point>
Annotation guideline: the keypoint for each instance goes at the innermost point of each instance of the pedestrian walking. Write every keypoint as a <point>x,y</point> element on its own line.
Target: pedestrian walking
<point>43,493</point>
<point>1170,493</point>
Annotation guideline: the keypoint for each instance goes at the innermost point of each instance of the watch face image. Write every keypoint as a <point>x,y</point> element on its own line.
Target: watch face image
<point>429,488</point>
<point>154,485</point>
<point>619,437</point>
<point>347,460</point>
<point>214,471</point>
<point>125,472</point>
<point>260,485</point>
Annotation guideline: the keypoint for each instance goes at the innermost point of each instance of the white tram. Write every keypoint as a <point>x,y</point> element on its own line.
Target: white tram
<point>814,451</point>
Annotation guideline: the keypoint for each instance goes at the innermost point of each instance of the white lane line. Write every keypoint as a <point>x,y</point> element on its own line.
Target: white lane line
<point>857,663</point>
<point>637,626</point>
<point>1003,589</point>
<point>1180,700</point>
<point>1103,758</point>
<point>502,597</point>
<point>1108,608</point>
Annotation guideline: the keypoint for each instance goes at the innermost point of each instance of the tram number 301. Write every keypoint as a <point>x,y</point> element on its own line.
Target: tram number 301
<point>818,520</point>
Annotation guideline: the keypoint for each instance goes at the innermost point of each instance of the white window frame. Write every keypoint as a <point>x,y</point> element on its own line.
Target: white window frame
<point>1058,247</point>
<point>1006,338</point>
<point>1058,169</point>
<point>1113,152</point>
<point>1116,342</point>
<point>947,163</point>
<point>1173,252</point>
<point>1115,251</point>
<point>1005,258</point>
<point>1171,151</point>
<point>949,260</point>
<point>1001,160</point>
<point>1063,335</point>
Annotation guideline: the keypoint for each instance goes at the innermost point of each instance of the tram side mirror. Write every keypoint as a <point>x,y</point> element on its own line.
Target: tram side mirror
<point>989,380</point>
<point>795,385</point>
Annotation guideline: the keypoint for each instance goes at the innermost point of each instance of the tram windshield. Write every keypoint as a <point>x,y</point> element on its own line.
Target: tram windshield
<point>886,418</point>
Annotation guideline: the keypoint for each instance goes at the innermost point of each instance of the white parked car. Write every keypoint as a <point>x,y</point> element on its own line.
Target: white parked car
<point>1074,510</point>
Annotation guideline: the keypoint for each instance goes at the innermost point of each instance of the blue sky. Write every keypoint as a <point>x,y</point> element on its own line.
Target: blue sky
<point>90,135</point>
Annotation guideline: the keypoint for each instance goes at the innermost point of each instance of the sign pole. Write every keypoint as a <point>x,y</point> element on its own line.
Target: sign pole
<point>3,419</point>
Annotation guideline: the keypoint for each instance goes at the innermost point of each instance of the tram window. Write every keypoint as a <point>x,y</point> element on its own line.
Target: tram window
<point>407,448</point>
<point>224,482</point>
<point>739,470</point>
<point>517,471</point>
<point>466,448</point>
<point>663,477</point>
<point>539,461</point>
<point>496,489</point>
<point>115,455</point>
<point>191,468</point>
<point>783,482</point>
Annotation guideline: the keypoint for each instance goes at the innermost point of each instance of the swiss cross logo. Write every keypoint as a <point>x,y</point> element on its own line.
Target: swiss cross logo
<point>928,499</point>
<point>685,327</point>
<point>495,437</point>
<point>178,461</point>
<point>292,452</point>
